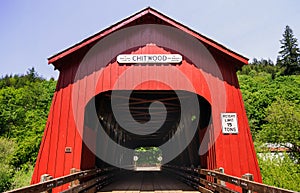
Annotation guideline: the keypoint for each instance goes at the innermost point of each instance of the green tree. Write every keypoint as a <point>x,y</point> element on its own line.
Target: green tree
<point>262,62</point>
<point>24,104</point>
<point>283,126</point>
<point>279,171</point>
<point>289,55</point>
<point>22,177</point>
<point>148,156</point>
<point>6,171</point>
<point>260,66</point>
<point>260,91</point>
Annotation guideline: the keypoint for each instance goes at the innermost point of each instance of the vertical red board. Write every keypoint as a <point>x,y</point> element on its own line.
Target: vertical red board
<point>54,135</point>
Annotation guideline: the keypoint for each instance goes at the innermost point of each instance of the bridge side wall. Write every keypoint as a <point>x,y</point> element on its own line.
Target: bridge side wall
<point>235,152</point>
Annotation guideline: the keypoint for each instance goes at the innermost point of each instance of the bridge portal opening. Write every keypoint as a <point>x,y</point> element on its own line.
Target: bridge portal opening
<point>147,159</point>
<point>146,106</point>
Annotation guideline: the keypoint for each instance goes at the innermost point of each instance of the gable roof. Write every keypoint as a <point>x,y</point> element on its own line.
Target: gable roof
<point>153,16</point>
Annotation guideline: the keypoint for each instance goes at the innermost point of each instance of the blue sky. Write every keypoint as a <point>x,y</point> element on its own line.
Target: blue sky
<point>33,30</point>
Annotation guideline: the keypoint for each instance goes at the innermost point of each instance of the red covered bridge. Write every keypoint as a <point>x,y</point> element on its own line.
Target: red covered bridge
<point>147,81</point>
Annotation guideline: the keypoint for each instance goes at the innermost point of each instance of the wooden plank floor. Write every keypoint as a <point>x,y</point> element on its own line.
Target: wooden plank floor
<point>147,182</point>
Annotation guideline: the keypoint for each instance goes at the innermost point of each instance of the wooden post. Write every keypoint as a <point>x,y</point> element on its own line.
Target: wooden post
<point>215,180</point>
<point>222,182</point>
<point>49,178</point>
<point>250,178</point>
<point>44,178</point>
<point>221,170</point>
<point>75,182</point>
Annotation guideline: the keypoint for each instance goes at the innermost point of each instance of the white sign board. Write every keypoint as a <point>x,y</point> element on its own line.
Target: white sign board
<point>229,123</point>
<point>149,58</point>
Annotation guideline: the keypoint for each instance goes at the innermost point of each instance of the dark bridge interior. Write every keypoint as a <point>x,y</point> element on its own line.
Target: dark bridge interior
<point>150,106</point>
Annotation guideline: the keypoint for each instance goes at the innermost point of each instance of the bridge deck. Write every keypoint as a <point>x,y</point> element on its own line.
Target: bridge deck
<point>147,181</point>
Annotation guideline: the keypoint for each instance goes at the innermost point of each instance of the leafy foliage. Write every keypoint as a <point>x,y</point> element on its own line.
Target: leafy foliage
<point>18,81</point>
<point>22,177</point>
<point>24,104</point>
<point>261,66</point>
<point>23,116</point>
<point>6,171</point>
<point>283,126</point>
<point>280,171</point>
<point>260,90</point>
<point>148,156</point>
